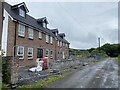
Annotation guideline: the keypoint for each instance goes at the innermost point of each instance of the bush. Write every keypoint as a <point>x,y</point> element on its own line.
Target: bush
<point>5,71</point>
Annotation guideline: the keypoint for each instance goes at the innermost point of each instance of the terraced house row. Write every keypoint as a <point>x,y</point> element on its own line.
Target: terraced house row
<point>30,38</point>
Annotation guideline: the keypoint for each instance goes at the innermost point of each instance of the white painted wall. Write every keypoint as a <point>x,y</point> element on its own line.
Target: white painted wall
<point>5,33</point>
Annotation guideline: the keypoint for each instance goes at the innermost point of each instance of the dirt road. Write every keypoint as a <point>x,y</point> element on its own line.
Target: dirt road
<point>103,74</point>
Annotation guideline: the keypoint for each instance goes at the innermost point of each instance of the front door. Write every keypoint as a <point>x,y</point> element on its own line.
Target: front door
<point>39,53</point>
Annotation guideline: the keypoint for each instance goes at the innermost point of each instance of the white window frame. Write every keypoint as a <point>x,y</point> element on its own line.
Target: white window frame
<point>58,43</point>
<point>51,40</point>
<point>30,56</point>
<point>56,33</point>
<point>40,35</point>
<point>51,55</point>
<point>21,56</point>
<point>66,45</point>
<point>47,54</point>
<point>47,38</point>
<point>21,30</point>
<point>21,12</point>
<point>63,43</point>
<point>44,24</point>
<point>30,33</point>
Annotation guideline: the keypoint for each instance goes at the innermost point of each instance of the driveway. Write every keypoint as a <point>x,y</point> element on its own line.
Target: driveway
<point>103,74</point>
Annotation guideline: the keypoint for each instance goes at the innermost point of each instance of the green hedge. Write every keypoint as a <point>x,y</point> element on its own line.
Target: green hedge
<point>5,71</point>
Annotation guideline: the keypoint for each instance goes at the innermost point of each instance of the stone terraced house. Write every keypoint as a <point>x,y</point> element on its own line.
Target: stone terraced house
<point>29,38</point>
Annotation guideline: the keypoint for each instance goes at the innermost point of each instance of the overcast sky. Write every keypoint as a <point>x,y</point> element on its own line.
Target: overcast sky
<point>82,22</point>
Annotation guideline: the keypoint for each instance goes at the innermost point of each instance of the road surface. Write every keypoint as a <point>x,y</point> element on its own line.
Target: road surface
<point>103,74</point>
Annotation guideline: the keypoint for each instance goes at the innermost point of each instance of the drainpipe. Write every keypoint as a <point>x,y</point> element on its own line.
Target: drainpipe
<point>14,50</point>
<point>55,48</point>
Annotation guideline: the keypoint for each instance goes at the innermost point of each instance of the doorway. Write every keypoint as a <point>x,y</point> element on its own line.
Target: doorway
<point>39,53</point>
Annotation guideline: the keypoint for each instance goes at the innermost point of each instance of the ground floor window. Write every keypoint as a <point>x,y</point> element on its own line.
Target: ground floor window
<point>20,52</point>
<point>30,53</point>
<point>51,54</point>
<point>47,53</point>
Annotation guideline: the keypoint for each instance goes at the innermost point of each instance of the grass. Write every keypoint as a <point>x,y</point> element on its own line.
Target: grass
<point>0,85</point>
<point>41,83</point>
<point>45,82</point>
<point>118,59</point>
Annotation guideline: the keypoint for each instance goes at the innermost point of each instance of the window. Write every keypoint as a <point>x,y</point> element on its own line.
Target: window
<point>47,38</point>
<point>66,45</point>
<point>20,52</point>
<point>47,53</point>
<point>21,12</point>
<point>56,34</point>
<point>40,35</point>
<point>44,24</point>
<point>51,54</point>
<point>30,53</point>
<point>58,43</point>
<point>63,43</point>
<point>51,40</point>
<point>30,33</point>
<point>21,30</point>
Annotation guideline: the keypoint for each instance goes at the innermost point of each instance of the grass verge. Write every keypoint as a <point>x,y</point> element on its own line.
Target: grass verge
<point>47,81</point>
<point>118,59</point>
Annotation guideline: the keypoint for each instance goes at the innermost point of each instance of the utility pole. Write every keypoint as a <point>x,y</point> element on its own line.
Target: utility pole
<point>99,47</point>
<point>99,43</point>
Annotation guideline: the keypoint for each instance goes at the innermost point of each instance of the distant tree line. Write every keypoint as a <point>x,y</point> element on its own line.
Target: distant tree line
<point>112,50</point>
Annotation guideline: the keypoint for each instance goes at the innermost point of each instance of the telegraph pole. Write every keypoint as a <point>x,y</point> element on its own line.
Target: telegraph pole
<point>99,43</point>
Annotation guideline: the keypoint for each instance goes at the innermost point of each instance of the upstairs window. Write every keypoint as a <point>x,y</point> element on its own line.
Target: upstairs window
<point>56,34</point>
<point>40,35</point>
<point>63,43</point>
<point>21,30</point>
<point>30,53</point>
<point>47,39</point>
<point>44,24</point>
<point>51,40</point>
<point>30,33</point>
<point>58,43</point>
<point>66,45</point>
<point>20,52</point>
<point>21,12</point>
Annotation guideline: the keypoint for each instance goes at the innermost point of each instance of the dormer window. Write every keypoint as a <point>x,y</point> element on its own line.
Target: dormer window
<point>21,9</point>
<point>21,12</point>
<point>44,24</point>
<point>56,34</point>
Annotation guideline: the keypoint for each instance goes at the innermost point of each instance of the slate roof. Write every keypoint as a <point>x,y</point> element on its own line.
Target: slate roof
<point>29,20</point>
<point>44,19</point>
<point>54,30</point>
<point>18,5</point>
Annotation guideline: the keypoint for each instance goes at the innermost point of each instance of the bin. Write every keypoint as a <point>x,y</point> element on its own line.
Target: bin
<point>45,63</point>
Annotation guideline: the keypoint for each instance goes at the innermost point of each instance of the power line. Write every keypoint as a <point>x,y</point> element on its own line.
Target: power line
<point>67,12</point>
